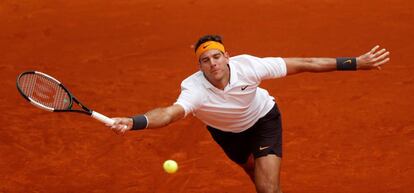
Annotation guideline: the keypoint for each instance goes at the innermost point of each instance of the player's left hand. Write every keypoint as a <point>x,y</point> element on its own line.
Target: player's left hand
<point>373,59</point>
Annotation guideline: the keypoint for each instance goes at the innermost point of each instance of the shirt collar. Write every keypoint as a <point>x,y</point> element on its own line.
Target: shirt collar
<point>206,83</point>
<point>233,74</point>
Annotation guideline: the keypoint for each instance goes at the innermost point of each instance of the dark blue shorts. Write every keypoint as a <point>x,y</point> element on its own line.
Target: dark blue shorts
<point>263,138</point>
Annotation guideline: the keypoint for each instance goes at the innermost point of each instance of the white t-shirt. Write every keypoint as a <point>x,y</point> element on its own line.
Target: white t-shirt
<point>241,103</point>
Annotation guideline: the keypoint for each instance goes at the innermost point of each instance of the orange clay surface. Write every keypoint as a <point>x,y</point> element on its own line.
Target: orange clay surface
<point>343,131</point>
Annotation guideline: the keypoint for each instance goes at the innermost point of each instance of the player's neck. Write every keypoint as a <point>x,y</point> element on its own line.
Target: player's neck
<point>221,83</point>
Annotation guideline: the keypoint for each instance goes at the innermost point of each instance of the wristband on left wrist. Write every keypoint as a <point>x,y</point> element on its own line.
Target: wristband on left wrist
<point>346,64</point>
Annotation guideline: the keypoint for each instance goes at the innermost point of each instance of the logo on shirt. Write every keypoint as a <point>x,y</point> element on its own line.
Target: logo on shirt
<point>244,87</point>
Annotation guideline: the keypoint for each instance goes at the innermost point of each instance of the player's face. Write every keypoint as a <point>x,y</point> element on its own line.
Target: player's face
<point>213,63</point>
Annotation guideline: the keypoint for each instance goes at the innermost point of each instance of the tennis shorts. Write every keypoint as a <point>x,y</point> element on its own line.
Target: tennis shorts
<point>263,138</point>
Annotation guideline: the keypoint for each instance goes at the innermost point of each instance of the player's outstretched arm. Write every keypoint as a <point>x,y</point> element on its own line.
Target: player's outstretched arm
<point>158,117</point>
<point>373,59</point>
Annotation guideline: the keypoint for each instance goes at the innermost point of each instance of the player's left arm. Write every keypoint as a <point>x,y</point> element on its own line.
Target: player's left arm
<point>373,59</point>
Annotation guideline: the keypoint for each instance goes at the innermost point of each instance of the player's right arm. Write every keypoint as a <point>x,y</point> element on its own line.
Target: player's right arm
<point>158,117</point>
<point>190,99</point>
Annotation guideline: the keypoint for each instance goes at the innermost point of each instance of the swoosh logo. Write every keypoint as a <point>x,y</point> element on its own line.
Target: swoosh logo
<point>204,47</point>
<point>263,148</point>
<point>348,61</point>
<point>244,87</point>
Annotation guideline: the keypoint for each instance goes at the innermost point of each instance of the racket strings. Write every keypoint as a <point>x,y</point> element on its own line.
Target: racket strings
<point>44,91</point>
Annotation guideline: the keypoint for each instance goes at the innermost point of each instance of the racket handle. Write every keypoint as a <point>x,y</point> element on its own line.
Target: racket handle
<point>102,118</point>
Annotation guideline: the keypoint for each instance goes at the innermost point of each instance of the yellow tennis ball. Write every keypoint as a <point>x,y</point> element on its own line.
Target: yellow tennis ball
<point>170,166</point>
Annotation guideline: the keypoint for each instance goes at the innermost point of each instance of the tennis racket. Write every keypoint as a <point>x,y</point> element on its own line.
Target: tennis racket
<point>49,94</point>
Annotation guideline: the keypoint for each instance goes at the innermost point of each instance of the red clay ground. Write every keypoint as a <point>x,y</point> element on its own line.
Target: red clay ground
<point>343,132</point>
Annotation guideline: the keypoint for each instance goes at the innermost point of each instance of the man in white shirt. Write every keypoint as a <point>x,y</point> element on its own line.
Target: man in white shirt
<point>242,117</point>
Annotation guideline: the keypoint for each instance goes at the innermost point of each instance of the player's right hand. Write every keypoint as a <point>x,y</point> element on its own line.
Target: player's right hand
<point>121,125</point>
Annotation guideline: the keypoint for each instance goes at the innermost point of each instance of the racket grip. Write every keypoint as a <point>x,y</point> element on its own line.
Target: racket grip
<point>102,118</point>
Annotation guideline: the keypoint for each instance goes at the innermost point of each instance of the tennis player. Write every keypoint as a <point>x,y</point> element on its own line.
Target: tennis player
<point>242,118</point>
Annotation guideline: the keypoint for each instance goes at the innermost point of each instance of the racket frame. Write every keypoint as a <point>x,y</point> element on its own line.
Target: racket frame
<point>72,98</point>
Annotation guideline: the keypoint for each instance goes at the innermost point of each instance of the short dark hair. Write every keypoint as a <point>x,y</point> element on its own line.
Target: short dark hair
<point>207,38</point>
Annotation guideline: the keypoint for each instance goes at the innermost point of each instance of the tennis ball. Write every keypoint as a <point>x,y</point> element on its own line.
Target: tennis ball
<point>170,166</point>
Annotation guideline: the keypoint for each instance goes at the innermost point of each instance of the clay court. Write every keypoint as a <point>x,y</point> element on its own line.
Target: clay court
<point>343,131</point>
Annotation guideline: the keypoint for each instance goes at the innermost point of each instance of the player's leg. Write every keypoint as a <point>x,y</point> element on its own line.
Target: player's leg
<point>267,150</point>
<point>267,174</point>
<point>248,167</point>
<point>236,147</point>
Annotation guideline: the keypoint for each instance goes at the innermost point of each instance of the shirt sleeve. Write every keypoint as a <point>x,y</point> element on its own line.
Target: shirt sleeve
<point>190,98</point>
<point>266,68</point>
<point>273,67</point>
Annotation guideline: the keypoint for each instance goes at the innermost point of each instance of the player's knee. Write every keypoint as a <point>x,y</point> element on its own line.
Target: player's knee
<point>267,188</point>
